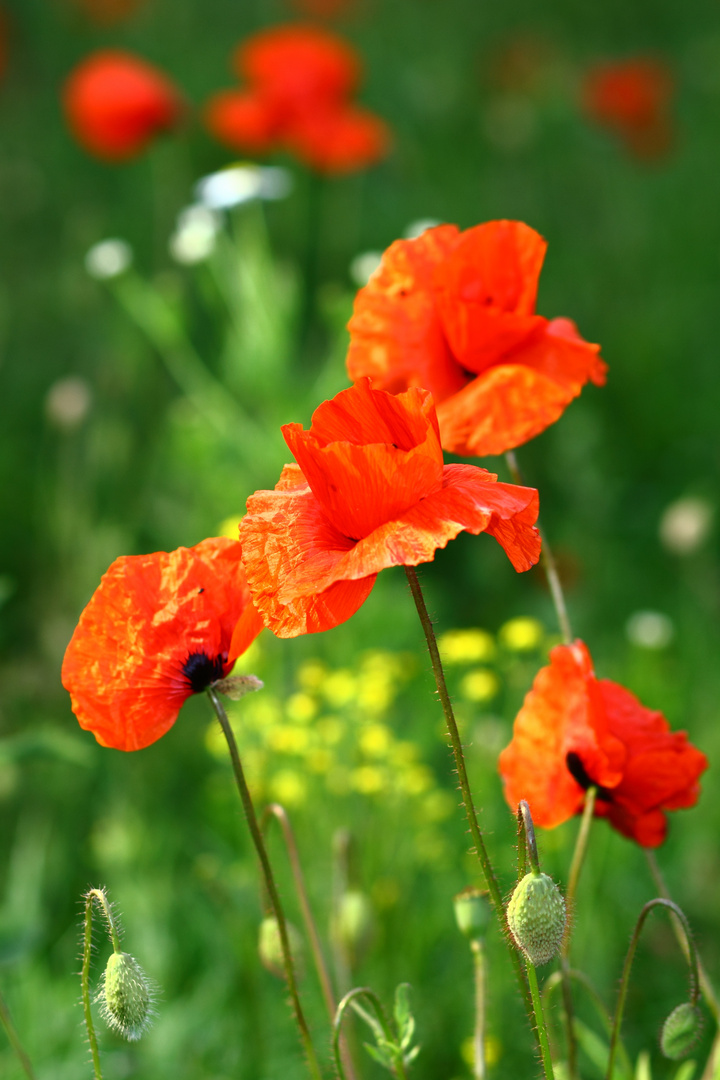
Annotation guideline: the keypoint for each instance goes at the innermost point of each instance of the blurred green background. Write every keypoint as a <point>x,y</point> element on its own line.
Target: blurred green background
<point>181,376</point>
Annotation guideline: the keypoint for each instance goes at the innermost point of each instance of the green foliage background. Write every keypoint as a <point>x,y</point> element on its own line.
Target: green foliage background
<point>632,258</point>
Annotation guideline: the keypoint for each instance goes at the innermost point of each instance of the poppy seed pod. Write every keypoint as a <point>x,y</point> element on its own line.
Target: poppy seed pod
<point>680,1031</point>
<point>536,916</point>
<point>472,912</point>
<point>126,996</point>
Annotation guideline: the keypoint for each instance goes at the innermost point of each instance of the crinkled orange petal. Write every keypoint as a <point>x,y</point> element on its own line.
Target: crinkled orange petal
<point>485,291</point>
<point>508,404</point>
<point>559,716</point>
<point>395,332</point>
<point>661,770</point>
<point>296,559</point>
<point>286,529</point>
<point>124,667</point>
<point>369,456</point>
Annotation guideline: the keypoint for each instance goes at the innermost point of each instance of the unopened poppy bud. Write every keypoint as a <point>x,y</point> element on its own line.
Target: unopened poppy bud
<point>126,996</point>
<point>354,922</point>
<point>472,912</point>
<point>536,917</point>
<point>270,947</point>
<point>680,1031</point>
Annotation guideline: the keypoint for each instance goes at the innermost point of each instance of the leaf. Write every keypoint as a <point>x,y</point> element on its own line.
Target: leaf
<point>380,1053</point>
<point>686,1070</point>
<point>642,1069</point>
<point>595,1047</point>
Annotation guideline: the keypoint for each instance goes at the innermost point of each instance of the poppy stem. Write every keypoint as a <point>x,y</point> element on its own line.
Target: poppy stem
<point>269,880</point>
<point>452,728</point>
<point>541,1029</point>
<point>90,898</point>
<point>13,1039</point>
<point>478,952</point>
<point>677,915</point>
<point>706,986</point>
<point>275,810</point>
<point>548,563</point>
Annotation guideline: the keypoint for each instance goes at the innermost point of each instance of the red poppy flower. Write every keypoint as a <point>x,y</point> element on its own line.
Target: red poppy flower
<point>157,629</point>
<point>116,103</point>
<point>339,140</point>
<point>575,730</point>
<point>632,98</point>
<point>369,491</point>
<point>455,312</point>
<point>297,98</point>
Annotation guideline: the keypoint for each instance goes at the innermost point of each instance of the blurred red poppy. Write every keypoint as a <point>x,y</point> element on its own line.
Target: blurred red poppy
<point>575,730</point>
<point>369,491</point>
<point>632,98</point>
<point>157,629</point>
<point>116,103</point>
<point>297,98</point>
<point>455,312</point>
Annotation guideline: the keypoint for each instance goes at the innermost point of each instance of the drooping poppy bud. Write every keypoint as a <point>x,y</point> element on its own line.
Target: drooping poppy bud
<point>472,912</point>
<point>681,1031</point>
<point>270,947</point>
<point>126,996</point>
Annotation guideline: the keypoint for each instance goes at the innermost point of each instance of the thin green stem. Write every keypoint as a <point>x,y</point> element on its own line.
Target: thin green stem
<point>100,898</point>
<point>269,881</point>
<point>578,858</point>
<point>275,810</point>
<point>625,980</point>
<point>478,951</point>
<point>381,1022</point>
<point>85,984</point>
<point>14,1039</point>
<point>457,748</point>
<point>548,563</point>
<point>556,979</point>
<point>540,1022</point>
<point>706,986</point>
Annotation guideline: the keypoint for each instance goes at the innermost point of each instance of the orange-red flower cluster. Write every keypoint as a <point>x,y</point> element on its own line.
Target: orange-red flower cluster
<point>158,628</point>
<point>454,312</point>
<point>299,83</point>
<point>632,98</point>
<point>575,730</point>
<point>369,491</point>
<point>116,103</point>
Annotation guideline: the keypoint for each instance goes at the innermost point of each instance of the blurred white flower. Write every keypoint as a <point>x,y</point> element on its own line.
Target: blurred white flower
<point>649,630</point>
<point>242,183</point>
<point>195,234</point>
<point>363,266</point>
<point>108,259</point>
<point>417,228</point>
<point>685,524</point>
<point>67,402</point>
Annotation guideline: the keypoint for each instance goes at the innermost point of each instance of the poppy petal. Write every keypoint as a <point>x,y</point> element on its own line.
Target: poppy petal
<point>156,626</point>
<point>396,334</point>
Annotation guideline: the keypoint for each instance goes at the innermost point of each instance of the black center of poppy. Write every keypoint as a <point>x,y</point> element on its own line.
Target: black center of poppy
<point>578,772</point>
<point>200,670</point>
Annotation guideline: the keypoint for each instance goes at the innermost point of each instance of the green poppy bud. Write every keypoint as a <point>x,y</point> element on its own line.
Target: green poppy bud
<point>680,1031</point>
<point>126,996</point>
<point>536,916</point>
<point>270,947</point>
<point>353,924</point>
<point>472,912</point>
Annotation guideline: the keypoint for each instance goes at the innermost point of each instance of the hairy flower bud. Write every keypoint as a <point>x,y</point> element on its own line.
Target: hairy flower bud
<point>270,947</point>
<point>126,996</point>
<point>536,917</point>
<point>354,923</point>
<point>680,1031</point>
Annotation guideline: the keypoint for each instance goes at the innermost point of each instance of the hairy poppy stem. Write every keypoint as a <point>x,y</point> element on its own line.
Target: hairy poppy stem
<point>478,952</point>
<point>269,880</point>
<point>452,728</point>
<point>13,1039</point>
<point>691,956</point>
<point>275,810</point>
<point>90,899</point>
<point>706,986</point>
<point>541,1029</point>
<point>548,562</point>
